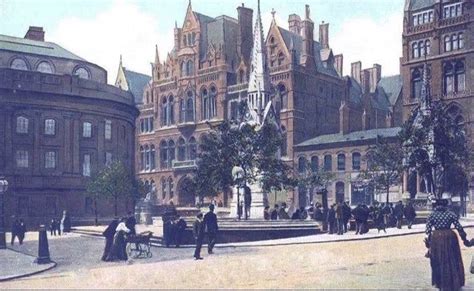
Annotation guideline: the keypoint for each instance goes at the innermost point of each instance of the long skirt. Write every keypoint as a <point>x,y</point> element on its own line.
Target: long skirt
<point>447,269</point>
<point>118,250</point>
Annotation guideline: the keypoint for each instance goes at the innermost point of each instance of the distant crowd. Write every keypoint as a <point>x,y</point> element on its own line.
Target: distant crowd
<point>338,215</point>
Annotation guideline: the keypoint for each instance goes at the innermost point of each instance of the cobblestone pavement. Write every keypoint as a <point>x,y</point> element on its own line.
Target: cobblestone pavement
<point>394,262</point>
<point>14,264</point>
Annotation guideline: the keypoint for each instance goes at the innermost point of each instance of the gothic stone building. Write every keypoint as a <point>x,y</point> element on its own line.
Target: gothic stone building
<point>206,75</point>
<point>439,33</point>
<point>59,123</point>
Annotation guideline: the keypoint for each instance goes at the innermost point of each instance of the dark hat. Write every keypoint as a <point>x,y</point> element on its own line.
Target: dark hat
<point>440,202</point>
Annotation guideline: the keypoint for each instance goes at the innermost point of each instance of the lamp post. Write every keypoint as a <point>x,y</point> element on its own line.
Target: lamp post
<point>238,176</point>
<point>3,190</point>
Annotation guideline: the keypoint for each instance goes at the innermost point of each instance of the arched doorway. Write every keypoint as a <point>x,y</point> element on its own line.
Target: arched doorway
<point>339,192</point>
<point>186,192</point>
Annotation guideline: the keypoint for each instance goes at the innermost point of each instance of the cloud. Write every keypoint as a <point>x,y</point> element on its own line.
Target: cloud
<point>122,29</point>
<point>371,42</point>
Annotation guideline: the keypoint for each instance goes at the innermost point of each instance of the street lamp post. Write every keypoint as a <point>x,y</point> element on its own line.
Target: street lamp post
<point>3,190</point>
<point>238,175</point>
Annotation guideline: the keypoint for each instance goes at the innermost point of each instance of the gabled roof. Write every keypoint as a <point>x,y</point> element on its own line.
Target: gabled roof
<point>43,48</point>
<point>420,4</point>
<point>136,84</point>
<point>351,137</point>
<point>392,86</point>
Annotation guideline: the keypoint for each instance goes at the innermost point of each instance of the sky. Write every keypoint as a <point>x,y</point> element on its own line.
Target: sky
<point>102,30</point>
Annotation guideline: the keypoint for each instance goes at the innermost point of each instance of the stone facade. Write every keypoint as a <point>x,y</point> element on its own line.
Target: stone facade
<point>440,34</point>
<point>205,76</point>
<point>58,125</point>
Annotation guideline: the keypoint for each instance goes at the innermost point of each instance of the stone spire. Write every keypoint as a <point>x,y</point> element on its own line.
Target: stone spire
<point>259,80</point>
<point>425,96</point>
<point>157,56</point>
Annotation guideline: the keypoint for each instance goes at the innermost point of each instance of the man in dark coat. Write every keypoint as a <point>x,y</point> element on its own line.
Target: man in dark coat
<point>15,230</point>
<point>131,223</point>
<point>357,212</point>
<point>210,221</point>
<point>318,213</point>
<point>346,216</point>
<point>274,213</point>
<point>410,214</point>
<point>198,233</point>
<point>340,218</point>
<point>21,231</point>
<point>248,201</point>
<point>398,214</point>
<point>266,213</point>
<point>180,227</point>
<point>109,233</point>
<point>282,214</point>
<point>331,219</point>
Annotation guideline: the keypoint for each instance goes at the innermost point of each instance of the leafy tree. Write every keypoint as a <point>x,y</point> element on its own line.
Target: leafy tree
<point>313,178</point>
<point>384,164</point>
<point>435,146</point>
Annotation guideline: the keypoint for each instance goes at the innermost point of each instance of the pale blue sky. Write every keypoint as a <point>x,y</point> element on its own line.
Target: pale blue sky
<point>81,25</point>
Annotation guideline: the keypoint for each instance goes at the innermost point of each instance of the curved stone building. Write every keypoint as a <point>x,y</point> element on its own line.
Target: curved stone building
<point>60,122</point>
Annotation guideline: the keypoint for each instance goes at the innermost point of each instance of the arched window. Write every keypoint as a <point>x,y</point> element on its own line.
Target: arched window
<point>163,188</point>
<point>147,158</point>
<point>427,47</point>
<point>461,40</point>
<point>152,158</point>
<point>205,104</point>
<point>142,158</point>
<point>185,41</point>
<point>189,68</point>
<point>82,73</point>
<point>281,58</point>
<point>19,64</point>
<point>164,112</point>
<point>192,149</point>
<point>414,49</point>
<point>193,39</point>
<point>183,69</point>
<point>448,76</point>
<point>45,67</point>
<point>447,43</point>
<point>190,107</point>
<point>284,142</point>
<point>341,162</point>
<point>460,77</point>
<point>170,110</point>
<point>314,164</point>
<point>163,155</point>
<point>213,102</point>
<point>454,40</point>
<point>356,161</point>
<point>416,84</point>
<point>328,163</point>
<point>421,48</point>
<point>301,165</point>
<point>22,124</point>
<point>171,187</point>
<point>171,153</point>
<point>181,149</point>
<point>190,41</point>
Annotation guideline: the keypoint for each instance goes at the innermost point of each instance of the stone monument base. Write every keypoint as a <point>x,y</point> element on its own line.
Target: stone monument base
<point>259,201</point>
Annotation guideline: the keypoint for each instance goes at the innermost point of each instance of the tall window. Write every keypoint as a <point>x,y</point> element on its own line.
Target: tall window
<point>454,41</point>
<point>108,158</point>
<point>171,187</point>
<point>50,160</point>
<point>147,158</point>
<point>189,68</point>
<point>21,124</point>
<point>281,58</point>
<point>171,153</point>
<point>341,162</point>
<point>86,129</point>
<point>22,159</point>
<point>163,155</point>
<point>328,163</point>
<point>50,127</point>
<point>454,76</point>
<point>142,158</point>
<point>152,158</point>
<point>314,164</point>
<point>181,149</point>
<point>415,51</point>
<point>86,165</point>
<point>284,142</point>
<point>205,104</point>
<point>192,148</point>
<point>213,102</point>
<point>167,111</point>
<point>108,129</point>
<point>416,83</point>
<point>163,189</point>
<point>356,161</point>
<point>190,107</point>
<point>301,165</point>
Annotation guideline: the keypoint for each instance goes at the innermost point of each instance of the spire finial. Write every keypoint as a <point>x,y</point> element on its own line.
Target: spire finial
<point>273,14</point>
<point>307,12</point>
<point>120,60</point>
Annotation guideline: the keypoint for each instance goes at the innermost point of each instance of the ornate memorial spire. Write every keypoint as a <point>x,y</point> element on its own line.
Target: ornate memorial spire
<point>425,96</point>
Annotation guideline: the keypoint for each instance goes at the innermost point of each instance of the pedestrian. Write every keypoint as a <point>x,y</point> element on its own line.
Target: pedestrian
<point>274,213</point>
<point>398,214</point>
<point>266,213</point>
<point>386,212</point>
<point>303,213</point>
<point>53,227</point>
<point>357,213</point>
<point>318,213</point>
<point>364,228</point>
<point>282,214</point>
<point>391,218</point>
<point>339,218</point>
<point>65,223</point>
<point>346,210</point>
<point>109,234</point>
<point>180,227</point>
<point>447,269</point>
<point>15,230</point>
<point>410,214</point>
<point>247,200</point>
<point>331,219</point>
<point>380,218</point>
<point>295,215</point>
<point>118,250</point>
<point>21,231</point>
<point>198,233</point>
<point>169,230</point>
<point>210,221</point>
<point>130,223</point>
<point>58,226</point>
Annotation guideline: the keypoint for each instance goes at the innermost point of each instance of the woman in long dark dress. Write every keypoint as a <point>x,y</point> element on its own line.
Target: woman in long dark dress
<point>447,270</point>
<point>109,235</point>
<point>118,250</point>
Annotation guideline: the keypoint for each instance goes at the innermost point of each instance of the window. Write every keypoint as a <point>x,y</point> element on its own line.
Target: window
<point>108,158</point>
<point>427,47</point>
<point>163,189</point>
<point>281,59</point>
<point>423,17</point>
<point>188,68</point>
<point>21,124</point>
<point>454,42</point>
<point>187,108</point>
<point>454,76</point>
<point>142,158</point>
<point>86,129</point>
<point>416,83</point>
<point>171,153</point>
<point>452,10</point>
<point>19,64</point>
<point>50,127</point>
<point>163,155</point>
<point>283,96</point>
<point>328,163</point>
<point>212,102</point>
<point>45,67</point>
<point>356,161</point>
<point>108,129</point>
<point>192,149</point>
<point>82,73</point>
<point>152,158</point>
<point>171,187</point>
<point>301,165</point>
<point>460,40</point>
<point>86,165</point>
<point>447,43</point>
<point>415,51</point>
<point>22,159</point>
<point>314,164</point>
<point>181,149</point>
<point>341,162</point>
<point>420,48</point>
<point>167,111</point>
<point>50,160</point>
<point>147,158</point>
<point>205,104</point>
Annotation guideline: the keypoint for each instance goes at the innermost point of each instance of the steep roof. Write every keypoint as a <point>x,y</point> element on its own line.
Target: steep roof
<point>392,87</point>
<point>351,137</point>
<point>420,4</point>
<point>22,45</point>
<point>136,84</point>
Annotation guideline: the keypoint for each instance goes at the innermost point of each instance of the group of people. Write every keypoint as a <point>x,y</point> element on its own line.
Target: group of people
<point>205,224</point>
<point>18,231</point>
<point>115,238</point>
<point>58,226</point>
<point>174,228</point>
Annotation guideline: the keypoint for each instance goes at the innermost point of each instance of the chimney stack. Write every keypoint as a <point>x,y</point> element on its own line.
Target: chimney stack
<point>35,33</point>
<point>307,31</point>
<point>324,35</point>
<point>344,126</point>
<point>365,80</point>
<point>375,76</point>
<point>245,34</point>
<point>339,64</point>
<point>356,71</point>
<point>294,23</point>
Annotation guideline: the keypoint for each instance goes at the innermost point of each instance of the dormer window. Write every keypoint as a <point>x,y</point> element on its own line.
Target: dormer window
<point>423,17</point>
<point>45,67</point>
<point>19,64</point>
<point>82,73</point>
